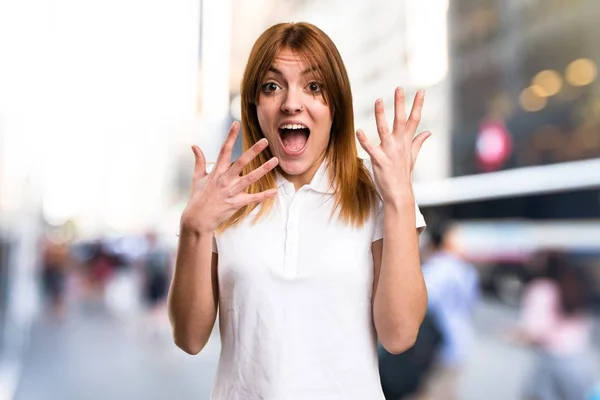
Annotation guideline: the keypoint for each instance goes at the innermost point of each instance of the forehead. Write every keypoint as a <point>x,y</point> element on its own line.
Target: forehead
<point>287,55</point>
<point>288,60</point>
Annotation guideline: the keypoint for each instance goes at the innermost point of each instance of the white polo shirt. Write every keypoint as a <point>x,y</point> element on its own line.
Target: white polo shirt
<point>295,302</point>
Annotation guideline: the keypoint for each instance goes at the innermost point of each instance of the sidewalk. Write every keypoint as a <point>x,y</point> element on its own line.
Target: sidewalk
<point>92,356</point>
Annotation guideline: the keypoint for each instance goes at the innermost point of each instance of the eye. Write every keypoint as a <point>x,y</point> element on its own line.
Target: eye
<point>270,87</point>
<point>314,87</point>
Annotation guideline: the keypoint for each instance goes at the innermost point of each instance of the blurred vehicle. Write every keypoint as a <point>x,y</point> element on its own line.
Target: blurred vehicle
<point>505,217</point>
<point>503,251</point>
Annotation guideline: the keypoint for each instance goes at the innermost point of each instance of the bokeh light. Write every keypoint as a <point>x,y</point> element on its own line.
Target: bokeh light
<point>531,101</point>
<point>581,72</point>
<point>549,81</point>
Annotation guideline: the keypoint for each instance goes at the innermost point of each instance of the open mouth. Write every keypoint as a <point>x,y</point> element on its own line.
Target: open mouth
<point>294,138</point>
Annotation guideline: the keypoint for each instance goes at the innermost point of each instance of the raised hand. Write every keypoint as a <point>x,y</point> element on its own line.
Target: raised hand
<point>217,195</point>
<point>394,159</point>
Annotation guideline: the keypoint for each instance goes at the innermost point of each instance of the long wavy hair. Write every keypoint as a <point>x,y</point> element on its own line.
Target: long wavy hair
<point>355,193</point>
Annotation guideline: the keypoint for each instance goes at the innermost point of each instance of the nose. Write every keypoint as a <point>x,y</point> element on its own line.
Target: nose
<point>292,103</point>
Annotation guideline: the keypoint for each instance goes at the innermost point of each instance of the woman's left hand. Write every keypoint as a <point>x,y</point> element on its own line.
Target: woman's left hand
<point>394,159</point>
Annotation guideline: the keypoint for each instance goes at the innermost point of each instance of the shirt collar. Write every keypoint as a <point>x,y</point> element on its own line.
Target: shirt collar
<point>319,183</point>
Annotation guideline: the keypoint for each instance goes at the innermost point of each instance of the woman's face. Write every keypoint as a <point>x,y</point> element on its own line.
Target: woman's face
<point>293,117</point>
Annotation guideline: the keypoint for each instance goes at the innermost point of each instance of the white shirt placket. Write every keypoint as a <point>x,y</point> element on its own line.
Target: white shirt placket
<point>290,268</point>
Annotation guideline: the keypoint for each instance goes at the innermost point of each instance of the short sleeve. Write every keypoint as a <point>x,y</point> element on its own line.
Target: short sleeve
<point>419,219</point>
<point>214,245</point>
<point>378,232</point>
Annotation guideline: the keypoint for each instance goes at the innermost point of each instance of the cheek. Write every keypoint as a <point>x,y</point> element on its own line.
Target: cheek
<point>325,123</point>
<point>320,114</point>
<point>266,113</point>
<point>263,122</point>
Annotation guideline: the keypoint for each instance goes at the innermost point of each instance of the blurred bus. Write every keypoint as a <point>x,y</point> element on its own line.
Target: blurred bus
<point>504,218</point>
<point>504,250</point>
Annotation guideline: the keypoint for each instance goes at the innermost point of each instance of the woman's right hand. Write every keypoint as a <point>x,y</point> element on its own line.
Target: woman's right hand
<point>217,195</point>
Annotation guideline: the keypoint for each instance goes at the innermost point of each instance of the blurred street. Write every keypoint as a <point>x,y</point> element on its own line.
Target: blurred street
<point>498,367</point>
<point>96,126</point>
<point>93,355</point>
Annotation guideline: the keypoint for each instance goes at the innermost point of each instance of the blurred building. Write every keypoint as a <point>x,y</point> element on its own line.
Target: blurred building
<point>530,66</point>
<point>20,201</point>
<point>524,94</point>
<point>525,135</point>
<point>93,97</point>
<point>96,98</point>
<point>20,232</point>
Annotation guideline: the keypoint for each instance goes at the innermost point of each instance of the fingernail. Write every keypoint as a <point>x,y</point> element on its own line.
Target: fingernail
<point>379,101</point>
<point>264,141</point>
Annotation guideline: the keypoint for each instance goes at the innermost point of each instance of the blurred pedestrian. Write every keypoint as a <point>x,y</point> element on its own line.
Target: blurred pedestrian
<point>556,322</point>
<point>101,267</point>
<point>301,275</point>
<point>453,290</point>
<point>156,275</point>
<point>55,264</point>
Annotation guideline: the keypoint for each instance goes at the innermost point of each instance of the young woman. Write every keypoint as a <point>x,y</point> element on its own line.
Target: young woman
<point>288,241</point>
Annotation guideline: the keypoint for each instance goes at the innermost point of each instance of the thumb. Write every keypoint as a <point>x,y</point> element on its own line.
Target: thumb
<point>417,143</point>
<point>199,163</point>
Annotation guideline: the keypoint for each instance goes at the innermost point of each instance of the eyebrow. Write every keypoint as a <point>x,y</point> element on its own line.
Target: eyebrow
<point>305,72</point>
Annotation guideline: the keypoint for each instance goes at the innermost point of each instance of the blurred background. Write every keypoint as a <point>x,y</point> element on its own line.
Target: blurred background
<point>101,100</point>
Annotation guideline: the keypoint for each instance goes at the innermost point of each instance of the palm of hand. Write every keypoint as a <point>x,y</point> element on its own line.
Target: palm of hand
<point>217,195</point>
<point>394,159</point>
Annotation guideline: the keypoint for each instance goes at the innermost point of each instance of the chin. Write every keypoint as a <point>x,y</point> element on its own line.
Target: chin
<point>294,166</point>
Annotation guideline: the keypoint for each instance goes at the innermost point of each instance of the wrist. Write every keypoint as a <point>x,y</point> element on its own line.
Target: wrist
<point>400,201</point>
<point>192,227</point>
<point>401,193</point>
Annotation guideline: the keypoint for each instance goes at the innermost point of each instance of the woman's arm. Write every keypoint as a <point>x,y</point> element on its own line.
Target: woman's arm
<point>215,197</point>
<point>194,292</point>
<point>399,293</point>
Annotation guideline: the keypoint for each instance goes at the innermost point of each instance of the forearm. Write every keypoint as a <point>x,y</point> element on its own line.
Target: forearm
<point>400,298</point>
<point>193,295</point>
